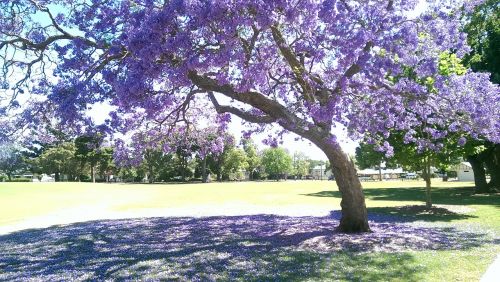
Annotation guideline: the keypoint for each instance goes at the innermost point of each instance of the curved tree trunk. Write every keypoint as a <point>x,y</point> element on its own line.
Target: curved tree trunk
<point>354,214</point>
<point>479,174</point>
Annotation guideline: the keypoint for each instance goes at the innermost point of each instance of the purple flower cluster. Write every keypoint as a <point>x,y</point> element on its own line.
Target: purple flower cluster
<point>306,65</point>
<point>191,140</point>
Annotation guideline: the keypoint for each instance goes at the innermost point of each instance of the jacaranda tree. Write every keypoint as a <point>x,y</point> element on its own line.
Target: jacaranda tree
<point>306,65</point>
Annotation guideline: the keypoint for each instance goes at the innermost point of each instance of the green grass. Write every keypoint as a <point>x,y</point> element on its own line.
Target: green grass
<point>24,201</point>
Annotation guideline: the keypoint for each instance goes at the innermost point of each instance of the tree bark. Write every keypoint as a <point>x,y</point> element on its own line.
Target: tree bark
<point>150,170</point>
<point>380,171</point>
<point>479,174</point>
<point>92,173</point>
<point>492,161</point>
<point>354,214</point>
<point>204,170</point>
<point>183,169</point>
<point>427,178</point>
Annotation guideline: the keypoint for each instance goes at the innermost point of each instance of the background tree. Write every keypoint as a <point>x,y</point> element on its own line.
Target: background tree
<point>88,151</point>
<point>300,164</point>
<point>368,157</point>
<point>235,160</point>
<point>277,163</point>
<point>106,164</point>
<point>59,160</point>
<point>483,35</point>
<point>315,163</point>
<point>216,162</point>
<point>303,65</point>
<point>413,158</point>
<point>144,157</point>
<point>11,159</point>
<point>252,157</point>
<point>209,141</point>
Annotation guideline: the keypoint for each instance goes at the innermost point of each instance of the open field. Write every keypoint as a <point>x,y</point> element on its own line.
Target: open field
<point>247,230</point>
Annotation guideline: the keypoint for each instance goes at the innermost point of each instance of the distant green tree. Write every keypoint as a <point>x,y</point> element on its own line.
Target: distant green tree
<point>234,162</point>
<point>368,157</point>
<point>277,162</point>
<point>483,35</point>
<point>88,151</point>
<point>166,168</point>
<point>106,163</point>
<point>11,159</point>
<point>316,163</point>
<point>411,158</point>
<point>131,174</point>
<point>253,158</point>
<point>301,163</point>
<point>59,160</point>
<point>215,163</point>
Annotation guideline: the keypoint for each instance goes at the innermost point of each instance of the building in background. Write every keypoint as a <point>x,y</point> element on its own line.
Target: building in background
<point>464,172</point>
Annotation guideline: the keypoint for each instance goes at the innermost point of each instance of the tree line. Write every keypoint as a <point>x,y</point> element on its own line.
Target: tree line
<point>93,158</point>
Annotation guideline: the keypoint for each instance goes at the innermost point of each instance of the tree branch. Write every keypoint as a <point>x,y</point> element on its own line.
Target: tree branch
<point>297,68</point>
<point>240,113</point>
<point>272,108</point>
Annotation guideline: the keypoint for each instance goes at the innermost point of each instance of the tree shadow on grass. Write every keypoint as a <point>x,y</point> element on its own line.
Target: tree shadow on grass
<point>258,247</point>
<point>412,213</point>
<point>443,196</point>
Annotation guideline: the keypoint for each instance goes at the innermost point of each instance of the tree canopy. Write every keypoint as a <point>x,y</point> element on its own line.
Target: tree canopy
<point>308,66</point>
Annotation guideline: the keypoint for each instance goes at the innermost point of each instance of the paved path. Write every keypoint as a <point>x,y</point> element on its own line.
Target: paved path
<point>493,272</point>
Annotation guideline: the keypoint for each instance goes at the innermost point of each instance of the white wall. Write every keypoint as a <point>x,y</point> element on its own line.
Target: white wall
<point>464,172</point>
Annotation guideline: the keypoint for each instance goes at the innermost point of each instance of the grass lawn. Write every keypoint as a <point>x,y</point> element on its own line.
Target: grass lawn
<point>455,242</point>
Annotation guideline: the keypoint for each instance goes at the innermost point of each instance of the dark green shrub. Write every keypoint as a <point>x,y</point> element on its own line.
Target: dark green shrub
<point>21,179</point>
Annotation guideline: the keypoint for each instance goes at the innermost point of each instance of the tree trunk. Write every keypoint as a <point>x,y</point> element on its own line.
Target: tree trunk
<point>183,169</point>
<point>493,164</point>
<point>57,177</point>
<point>479,174</point>
<point>354,214</point>
<point>9,175</point>
<point>428,198</point>
<point>380,171</point>
<point>204,170</point>
<point>92,173</point>
<point>150,171</point>
<point>427,178</point>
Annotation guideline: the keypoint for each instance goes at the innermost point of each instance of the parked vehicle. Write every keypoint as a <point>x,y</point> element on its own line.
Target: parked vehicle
<point>411,175</point>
